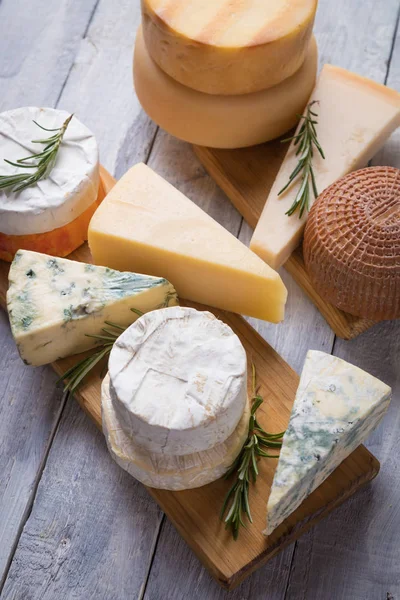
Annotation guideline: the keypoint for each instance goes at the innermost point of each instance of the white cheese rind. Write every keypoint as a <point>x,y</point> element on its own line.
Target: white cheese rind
<point>55,303</point>
<point>178,381</point>
<point>337,406</point>
<point>72,185</point>
<point>355,117</point>
<point>165,471</point>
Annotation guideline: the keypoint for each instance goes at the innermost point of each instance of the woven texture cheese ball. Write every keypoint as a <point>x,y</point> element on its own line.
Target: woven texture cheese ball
<point>352,243</point>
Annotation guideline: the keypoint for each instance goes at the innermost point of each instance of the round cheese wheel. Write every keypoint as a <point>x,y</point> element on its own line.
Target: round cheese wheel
<point>71,187</point>
<point>164,471</point>
<point>178,380</point>
<point>228,48</point>
<point>352,243</point>
<point>221,121</point>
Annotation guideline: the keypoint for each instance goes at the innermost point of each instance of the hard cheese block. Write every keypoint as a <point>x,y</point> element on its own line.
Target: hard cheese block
<point>178,380</point>
<point>148,226</point>
<point>235,47</point>
<point>55,303</point>
<point>65,197</point>
<point>337,406</point>
<point>166,471</point>
<point>222,121</point>
<point>355,117</point>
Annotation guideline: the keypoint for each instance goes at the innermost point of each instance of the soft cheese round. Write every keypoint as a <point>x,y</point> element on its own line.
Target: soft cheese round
<point>178,381</point>
<point>234,47</point>
<point>222,121</point>
<point>72,185</point>
<point>164,471</point>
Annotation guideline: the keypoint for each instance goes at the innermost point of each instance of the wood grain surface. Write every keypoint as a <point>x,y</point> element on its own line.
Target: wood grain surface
<point>195,513</point>
<point>79,55</point>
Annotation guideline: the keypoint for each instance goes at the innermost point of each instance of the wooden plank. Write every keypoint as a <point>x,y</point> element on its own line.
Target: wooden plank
<point>29,411</point>
<point>38,46</point>
<point>355,552</point>
<point>37,50</point>
<point>82,491</point>
<point>99,89</point>
<point>189,510</point>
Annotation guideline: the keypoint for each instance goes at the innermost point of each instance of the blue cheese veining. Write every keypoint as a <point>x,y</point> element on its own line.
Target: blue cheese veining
<point>54,303</point>
<point>337,406</point>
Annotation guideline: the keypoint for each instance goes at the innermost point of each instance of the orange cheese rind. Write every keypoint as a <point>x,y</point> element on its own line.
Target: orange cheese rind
<point>59,242</point>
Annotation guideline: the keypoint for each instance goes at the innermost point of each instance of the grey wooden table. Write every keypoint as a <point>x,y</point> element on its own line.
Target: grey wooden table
<point>72,524</point>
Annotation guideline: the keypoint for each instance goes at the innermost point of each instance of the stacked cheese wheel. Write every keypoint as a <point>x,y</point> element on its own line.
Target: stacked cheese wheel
<point>174,406</point>
<point>225,74</point>
<point>53,215</point>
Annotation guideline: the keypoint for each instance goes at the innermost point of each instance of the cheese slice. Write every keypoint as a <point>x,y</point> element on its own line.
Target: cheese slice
<point>337,406</point>
<point>178,381</point>
<point>355,117</point>
<point>164,471</point>
<point>222,121</point>
<point>228,47</point>
<point>146,225</point>
<point>55,303</point>
<point>69,190</point>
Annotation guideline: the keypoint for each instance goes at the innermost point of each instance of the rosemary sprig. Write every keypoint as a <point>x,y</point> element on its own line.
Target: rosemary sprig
<point>236,502</point>
<point>76,374</point>
<point>306,139</point>
<point>43,162</point>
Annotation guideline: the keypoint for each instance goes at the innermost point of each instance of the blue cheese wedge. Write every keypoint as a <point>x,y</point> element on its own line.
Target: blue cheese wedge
<point>337,406</point>
<point>55,303</point>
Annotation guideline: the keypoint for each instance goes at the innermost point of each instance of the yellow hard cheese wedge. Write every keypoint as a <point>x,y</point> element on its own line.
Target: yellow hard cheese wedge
<point>148,226</point>
<point>228,46</point>
<point>355,117</point>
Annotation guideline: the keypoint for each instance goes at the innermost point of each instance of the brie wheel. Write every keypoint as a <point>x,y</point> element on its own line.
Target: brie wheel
<point>69,189</point>
<point>178,381</point>
<point>169,472</point>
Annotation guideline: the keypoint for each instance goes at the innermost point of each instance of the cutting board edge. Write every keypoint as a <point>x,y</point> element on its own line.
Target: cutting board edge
<point>230,581</point>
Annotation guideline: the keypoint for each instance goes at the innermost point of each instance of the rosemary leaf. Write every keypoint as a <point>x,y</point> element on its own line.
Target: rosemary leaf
<point>43,162</point>
<point>236,503</point>
<point>305,140</point>
<point>75,375</point>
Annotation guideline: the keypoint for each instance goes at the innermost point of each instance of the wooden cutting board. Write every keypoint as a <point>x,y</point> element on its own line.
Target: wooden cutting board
<point>246,176</point>
<point>195,513</point>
